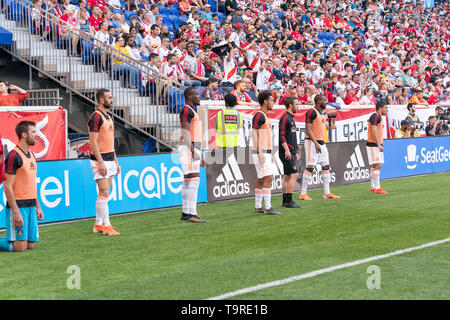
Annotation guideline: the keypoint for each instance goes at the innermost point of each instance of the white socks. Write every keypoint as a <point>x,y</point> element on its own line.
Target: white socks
<point>376,179</point>
<point>326,181</point>
<point>305,181</point>
<point>102,211</point>
<point>267,195</point>
<point>258,198</point>
<point>372,181</point>
<point>189,192</point>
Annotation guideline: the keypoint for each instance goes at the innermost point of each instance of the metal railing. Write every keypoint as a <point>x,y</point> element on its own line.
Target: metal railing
<point>42,97</point>
<point>144,101</point>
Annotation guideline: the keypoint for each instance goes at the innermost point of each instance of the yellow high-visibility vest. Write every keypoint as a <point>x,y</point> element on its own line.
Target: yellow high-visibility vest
<point>228,123</point>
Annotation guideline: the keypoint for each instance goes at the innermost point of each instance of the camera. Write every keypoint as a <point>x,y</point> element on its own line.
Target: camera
<point>332,115</point>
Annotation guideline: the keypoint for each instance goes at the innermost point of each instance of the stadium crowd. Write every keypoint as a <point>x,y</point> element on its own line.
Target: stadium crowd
<point>354,52</point>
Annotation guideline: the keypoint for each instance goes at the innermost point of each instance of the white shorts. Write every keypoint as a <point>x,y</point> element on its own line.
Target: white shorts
<point>313,158</point>
<point>188,164</point>
<point>375,155</point>
<point>111,169</point>
<point>263,169</point>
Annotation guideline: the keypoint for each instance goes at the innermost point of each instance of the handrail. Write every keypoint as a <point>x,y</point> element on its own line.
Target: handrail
<point>160,123</point>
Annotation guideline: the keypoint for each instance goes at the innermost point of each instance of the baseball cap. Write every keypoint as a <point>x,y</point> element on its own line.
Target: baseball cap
<point>199,52</point>
<point>213,54</point>
<point>206,22</point>
<point>237,25</point>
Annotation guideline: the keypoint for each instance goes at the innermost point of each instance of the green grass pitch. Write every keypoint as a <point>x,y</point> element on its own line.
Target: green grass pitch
<point>159,257</point>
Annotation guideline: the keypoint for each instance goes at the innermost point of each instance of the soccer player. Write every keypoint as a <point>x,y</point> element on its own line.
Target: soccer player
<point>191,157</point>
<point>22,207</point>
<point>374,146</point>
<point>315,148</point>
<point>288,150</point>
<point>103,159</point>
<point>262,153</point>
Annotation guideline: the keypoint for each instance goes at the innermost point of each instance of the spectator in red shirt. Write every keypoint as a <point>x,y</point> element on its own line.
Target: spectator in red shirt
<point>351,97</point>
<point>95,19</point>
<point>11,99</point>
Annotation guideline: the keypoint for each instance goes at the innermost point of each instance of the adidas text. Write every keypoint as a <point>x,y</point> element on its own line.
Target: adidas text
<point>231,189</point>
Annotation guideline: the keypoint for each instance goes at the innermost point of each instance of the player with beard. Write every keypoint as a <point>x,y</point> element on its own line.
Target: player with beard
<point>315,148</point>
<point>22,208</point>
<point>288,150</point>
<point>103,159</point>
<point>262,153</point>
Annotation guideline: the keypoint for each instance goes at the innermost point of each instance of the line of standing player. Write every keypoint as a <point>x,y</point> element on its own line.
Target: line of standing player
<point>23,208</point>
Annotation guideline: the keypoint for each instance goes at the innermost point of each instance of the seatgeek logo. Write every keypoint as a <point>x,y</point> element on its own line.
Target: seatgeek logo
<point>356,165</point>
<point>427,156</point>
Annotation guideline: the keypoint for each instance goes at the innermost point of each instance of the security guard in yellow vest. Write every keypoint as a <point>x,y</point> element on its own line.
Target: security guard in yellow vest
<point>228,124</point>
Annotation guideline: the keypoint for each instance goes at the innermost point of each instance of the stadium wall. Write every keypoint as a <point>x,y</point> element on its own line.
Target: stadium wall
<point>67,191</point>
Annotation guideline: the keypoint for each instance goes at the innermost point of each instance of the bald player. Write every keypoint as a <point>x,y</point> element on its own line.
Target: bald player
<point>103,159</point>
<point>191,157</point>
<point>315,148</point>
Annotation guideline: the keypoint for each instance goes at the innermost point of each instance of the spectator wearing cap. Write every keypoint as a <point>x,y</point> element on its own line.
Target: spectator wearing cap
<point>216,69</point>
<point>206,13</point>
<point>206,27</point>
<point>351,98</point>
<point>212,90</point>
<point>11,95</point>
<point>237,16</point>
<point>405,129</point>
<point>417,97</point>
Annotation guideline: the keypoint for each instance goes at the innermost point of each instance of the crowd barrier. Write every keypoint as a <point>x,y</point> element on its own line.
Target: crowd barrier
<point>66,189</point>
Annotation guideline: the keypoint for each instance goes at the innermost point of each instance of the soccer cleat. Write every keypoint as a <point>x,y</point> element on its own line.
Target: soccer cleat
<point>110,231</point>
<point>271,211</point>
<point>291,204</point>
<point>185,216</point>
<point>304,197</point>
<point>330,196</point>
<point>195,219</point>
<point>259,210</point>
<point>380,191</point>
<point>98,228</point>
<point>372,190</point>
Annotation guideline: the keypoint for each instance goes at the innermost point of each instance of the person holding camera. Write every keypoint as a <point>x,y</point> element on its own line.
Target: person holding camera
<point>10,98</point>
<point>414,119</point>
<point>433,128</point>
<point>405,130</point>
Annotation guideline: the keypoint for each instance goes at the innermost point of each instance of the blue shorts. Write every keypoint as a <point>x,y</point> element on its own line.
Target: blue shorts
<point>29,231</point>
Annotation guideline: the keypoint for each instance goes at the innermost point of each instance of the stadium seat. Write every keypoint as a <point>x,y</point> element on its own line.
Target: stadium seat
<point>174,11</point>
<point>213,5</point>
<point>129,14</point>
<point>175,100</point>
<point>163,10</point>
<point>117,11</point>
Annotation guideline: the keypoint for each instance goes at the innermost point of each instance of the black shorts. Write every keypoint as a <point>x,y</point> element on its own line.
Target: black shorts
<point>289,166</point>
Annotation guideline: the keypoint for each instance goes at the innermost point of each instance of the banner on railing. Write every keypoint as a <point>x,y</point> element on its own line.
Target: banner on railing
<point>50,131</point>
<point>66,189</point>
<point>351,125</point>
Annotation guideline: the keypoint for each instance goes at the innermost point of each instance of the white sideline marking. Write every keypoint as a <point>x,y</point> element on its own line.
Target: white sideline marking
<point>326,270</point>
